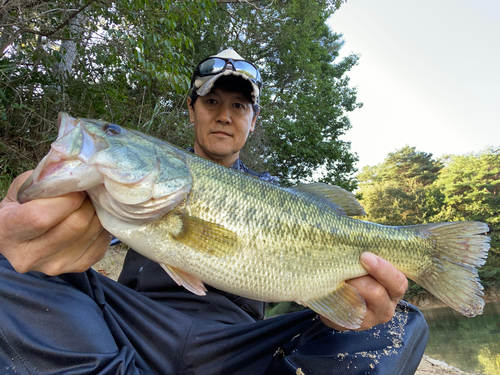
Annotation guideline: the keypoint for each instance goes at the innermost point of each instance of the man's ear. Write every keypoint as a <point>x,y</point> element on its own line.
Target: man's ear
<point>191,110</point>
<point>252,126</point>
<point>254,120</point>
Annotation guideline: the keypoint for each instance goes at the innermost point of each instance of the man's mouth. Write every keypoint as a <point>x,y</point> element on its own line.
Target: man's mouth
<point>222,133</point>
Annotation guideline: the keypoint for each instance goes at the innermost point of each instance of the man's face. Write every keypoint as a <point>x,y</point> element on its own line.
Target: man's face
<point>222,122</point>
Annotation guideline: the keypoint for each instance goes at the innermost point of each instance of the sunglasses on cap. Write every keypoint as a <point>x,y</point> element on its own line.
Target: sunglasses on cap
<point>215,65</point>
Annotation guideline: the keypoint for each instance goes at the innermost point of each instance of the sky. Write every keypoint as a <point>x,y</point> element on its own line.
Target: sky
<point>428,75</point>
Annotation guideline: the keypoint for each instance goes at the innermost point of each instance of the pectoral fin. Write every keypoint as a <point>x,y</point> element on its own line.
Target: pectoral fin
<point>186,280</point>
<point>205,236</point>
<point>344,306</point>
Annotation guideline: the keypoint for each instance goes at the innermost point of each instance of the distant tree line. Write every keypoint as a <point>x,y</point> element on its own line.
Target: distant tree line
<point>411,187</point>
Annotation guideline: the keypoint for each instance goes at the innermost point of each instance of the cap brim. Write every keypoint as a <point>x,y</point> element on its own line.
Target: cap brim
<point>205,84</point>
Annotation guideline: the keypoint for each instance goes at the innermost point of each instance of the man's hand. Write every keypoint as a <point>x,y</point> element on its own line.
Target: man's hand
<point>382,289</point>
<point>53,236</point>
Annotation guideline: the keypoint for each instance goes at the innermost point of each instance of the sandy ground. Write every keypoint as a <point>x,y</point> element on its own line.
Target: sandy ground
<point>112,263</point>
<point>432,366</point>
<point>111,266</point>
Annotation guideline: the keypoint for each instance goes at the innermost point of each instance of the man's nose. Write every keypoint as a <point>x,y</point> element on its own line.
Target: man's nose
<point>224,114</point>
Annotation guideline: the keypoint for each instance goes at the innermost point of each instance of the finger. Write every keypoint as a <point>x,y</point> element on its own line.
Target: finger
<point>77,228</point>
<point>386,274</point>
<point>370,289</point>
<point>379,304</point>
<point>15,185</point>
<point>72,236</point>
<point>35,218</point>
<point>90,247</point>
<point>96,250</point>
<point>68,241</point>
<point>78,258</point>
<point>80,255</point>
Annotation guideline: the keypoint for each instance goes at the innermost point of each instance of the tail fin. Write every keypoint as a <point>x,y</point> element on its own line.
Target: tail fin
<point>461,248</point>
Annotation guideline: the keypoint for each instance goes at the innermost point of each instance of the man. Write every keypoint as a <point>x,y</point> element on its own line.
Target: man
<point>82,322</point>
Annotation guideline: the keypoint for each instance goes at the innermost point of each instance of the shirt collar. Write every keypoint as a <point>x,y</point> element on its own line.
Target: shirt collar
<point>237,165</point>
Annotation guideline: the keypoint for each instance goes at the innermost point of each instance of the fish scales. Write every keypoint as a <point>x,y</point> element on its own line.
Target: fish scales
<point>208,224</point>
<point>282,240</point>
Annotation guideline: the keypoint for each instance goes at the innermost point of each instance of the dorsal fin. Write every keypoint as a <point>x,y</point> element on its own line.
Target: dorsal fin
<point>343,200</point>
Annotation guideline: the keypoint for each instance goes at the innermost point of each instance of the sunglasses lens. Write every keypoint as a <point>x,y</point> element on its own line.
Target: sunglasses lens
<point>211,66</point>
<point>216,65</point>
<point>246,68</point>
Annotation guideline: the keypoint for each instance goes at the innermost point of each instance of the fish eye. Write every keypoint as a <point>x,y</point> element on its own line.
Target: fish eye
<point>112,129</point>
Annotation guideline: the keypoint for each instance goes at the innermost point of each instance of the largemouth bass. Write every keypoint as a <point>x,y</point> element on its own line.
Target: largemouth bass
<point>204,223</point>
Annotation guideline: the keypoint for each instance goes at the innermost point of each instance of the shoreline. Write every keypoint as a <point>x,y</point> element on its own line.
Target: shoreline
<point>431,366</point>
<point>429,302</point>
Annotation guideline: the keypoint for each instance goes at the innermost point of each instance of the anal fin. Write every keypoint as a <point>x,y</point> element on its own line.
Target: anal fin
<point>186,280</point>
<point>344,306</point>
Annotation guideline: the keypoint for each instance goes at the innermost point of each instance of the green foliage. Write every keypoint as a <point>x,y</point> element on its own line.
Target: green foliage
<point>471,188</point>
<point>10,166</point>
<point>399,191</point>
<point>306,92</point>
<point>393,203</point>
<point>122,61</point>
<point>407,166</point>
<point>130,62</point>
<point>410,187</point>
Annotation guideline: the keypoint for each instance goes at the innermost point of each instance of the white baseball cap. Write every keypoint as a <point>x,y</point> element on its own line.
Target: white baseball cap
<point>225,63</point>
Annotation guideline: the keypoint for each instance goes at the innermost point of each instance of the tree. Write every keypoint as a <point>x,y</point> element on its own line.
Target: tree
<point>399,191</point>
<point>405,165</point>
<point>410,187</point>
<point>306,92</point>
<point>130,62</point>
<point>119,60</point>
<point>471,188</point>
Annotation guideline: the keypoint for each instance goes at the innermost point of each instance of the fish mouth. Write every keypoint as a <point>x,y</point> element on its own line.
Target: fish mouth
<point>52,179</point>
<point>59,173</point>
<point>65,124</point>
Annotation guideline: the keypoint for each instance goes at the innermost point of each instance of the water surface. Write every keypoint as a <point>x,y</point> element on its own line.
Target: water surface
<point>471,344</point>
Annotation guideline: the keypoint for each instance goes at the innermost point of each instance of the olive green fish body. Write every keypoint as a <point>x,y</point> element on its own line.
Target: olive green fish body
<point>287,225</point>
<point>208,224</point>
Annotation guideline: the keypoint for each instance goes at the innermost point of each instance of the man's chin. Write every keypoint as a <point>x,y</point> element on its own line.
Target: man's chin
<point>224,158</point>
